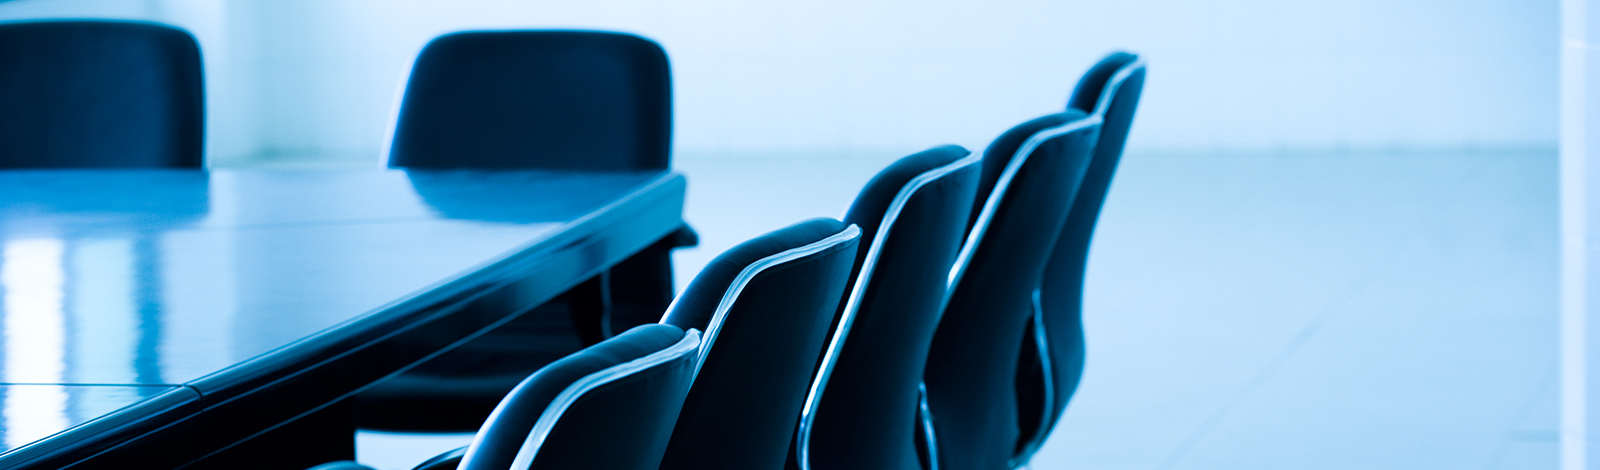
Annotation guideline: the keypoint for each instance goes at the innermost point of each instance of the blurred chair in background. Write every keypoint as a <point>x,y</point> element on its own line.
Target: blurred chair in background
<point>555,100</point>
<point>1031,174</point>
<point>1053,347</point>
<point>765,306</point>
<point>609,406</point>
<point>100,94</point>
<point>865,402</point>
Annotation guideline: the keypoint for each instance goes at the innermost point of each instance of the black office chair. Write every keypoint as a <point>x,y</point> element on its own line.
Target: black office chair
<point>765,306</point>
<point>572,100</point>
<point>864,405</point>
<point>1031,175</point>
<point>100,94</point>
<point>554,100</point>
<point>610,406</point>
<point>1050,369</point>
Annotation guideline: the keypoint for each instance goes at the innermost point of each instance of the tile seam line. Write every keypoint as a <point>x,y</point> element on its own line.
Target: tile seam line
<point>1289,349</point>
<point>1551,381</point>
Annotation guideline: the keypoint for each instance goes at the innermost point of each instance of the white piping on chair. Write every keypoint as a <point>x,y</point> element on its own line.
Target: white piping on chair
<point>1101,107</point>
<point>745,276</point>
<point>836,346</point>
<point>558,406</point>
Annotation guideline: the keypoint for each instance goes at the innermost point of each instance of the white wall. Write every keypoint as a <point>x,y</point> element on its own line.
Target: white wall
<point>293,77</point>
<point>1580,159</point>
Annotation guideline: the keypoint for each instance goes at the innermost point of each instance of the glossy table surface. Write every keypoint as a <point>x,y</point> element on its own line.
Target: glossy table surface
<point>120,286</point>
<point>36,410</point>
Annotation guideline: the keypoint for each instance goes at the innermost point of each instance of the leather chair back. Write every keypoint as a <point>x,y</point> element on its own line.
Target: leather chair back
<point>1053,350</point>
<point>1031,174</point>
<point>765,306</point>
<point>561,100</point>
<point>865,403</point>
<point>611,405</point>
<point>100,94</point>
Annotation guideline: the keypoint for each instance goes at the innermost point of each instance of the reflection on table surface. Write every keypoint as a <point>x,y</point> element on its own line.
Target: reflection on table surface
<point>34,411</point>
<point>165,276</point>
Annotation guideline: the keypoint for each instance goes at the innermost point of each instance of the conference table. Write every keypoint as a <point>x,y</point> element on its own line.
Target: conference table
<point>223,319</point>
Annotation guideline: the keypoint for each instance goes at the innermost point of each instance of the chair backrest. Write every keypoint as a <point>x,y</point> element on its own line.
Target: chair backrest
<point>765,305</point>
<point>864,403</point>
<point>100,94</point>
<point>1031,174</point>
<point>1111,91</point>
<point>565,100</point>
<point>611,405</point>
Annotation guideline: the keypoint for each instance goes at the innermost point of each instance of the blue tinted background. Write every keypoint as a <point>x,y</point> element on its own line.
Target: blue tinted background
<point>294,78</point>
<point>1332,243</point>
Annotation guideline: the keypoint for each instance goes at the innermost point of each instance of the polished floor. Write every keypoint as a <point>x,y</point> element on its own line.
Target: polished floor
<point>1267,311</point>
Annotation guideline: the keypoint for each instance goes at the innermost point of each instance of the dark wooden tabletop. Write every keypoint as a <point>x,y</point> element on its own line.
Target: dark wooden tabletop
<point>137,302</point>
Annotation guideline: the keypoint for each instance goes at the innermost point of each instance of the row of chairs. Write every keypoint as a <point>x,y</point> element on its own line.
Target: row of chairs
<point>936,326</point>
